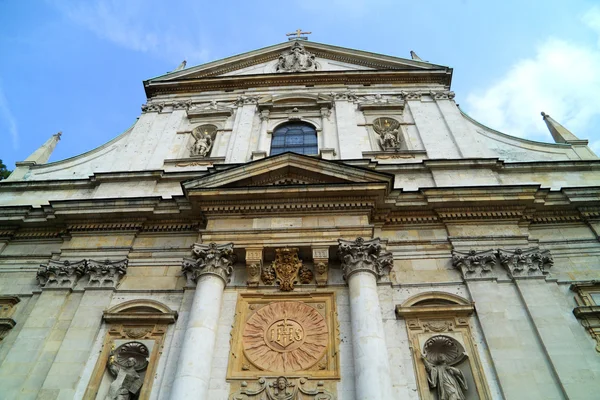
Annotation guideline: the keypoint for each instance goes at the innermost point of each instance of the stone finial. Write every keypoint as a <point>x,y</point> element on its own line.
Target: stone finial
<point>106,273</point>
<point>63,274</point>
<point>526,262</point>
<point>364,255</point>
<point>180,66</point>
<point>415,57</point>
<point>558,132</point>
<point>215,259</point>
<point>42,154</point>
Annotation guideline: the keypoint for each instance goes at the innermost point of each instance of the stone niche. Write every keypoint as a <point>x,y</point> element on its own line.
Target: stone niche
<point>292,338</point>
<point>445,357</point>
<point>127,363</point>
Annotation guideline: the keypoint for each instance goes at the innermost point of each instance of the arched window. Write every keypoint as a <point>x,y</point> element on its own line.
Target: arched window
<point>298,137</point>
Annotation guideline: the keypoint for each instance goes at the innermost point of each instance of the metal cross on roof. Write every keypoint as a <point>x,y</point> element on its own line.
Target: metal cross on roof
<point>298,35</point>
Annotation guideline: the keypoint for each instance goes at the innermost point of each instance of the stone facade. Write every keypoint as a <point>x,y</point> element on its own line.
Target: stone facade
<point>418,255</point>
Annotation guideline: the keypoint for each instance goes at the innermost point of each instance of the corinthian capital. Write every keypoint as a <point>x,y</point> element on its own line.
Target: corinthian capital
<point>215,259</point>
<point>364,255</point>
<point>526,262</point>
<point>61,274</point>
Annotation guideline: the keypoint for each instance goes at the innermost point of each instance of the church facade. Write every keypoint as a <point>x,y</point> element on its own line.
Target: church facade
<point>303,221</point>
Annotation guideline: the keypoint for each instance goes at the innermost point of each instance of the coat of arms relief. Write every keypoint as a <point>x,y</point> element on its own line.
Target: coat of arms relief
<point>284,347</point>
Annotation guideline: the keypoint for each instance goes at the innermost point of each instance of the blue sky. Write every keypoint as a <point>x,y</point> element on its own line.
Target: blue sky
<point>78,66</point>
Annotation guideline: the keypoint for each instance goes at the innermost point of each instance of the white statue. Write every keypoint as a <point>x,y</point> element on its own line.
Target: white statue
<point>204,140</point>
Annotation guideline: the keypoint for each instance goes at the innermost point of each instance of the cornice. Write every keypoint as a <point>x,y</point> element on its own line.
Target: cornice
<point>434,77</point>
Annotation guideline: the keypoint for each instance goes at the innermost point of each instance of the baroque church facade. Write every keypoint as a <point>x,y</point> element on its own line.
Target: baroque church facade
<point>303,221</point>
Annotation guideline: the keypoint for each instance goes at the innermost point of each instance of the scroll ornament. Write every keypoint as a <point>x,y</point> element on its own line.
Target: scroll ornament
<point>282,388</point>
<point>364,255</point>
<point>125,364</point>
<point>209,259</point>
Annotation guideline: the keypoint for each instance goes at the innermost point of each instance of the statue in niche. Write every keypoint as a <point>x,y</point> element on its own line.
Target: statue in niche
<point>389,133</point>
<point>297,59</point>
<point>125,364</point>
<point>204,135</point>
<point>440,353</point>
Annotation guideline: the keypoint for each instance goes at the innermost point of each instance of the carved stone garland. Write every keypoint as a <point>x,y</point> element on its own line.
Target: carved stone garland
<point>364,255</point>
<point>209,259</point>
<point>283,388</point>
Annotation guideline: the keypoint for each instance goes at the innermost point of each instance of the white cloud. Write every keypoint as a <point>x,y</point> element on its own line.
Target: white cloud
<point>9,121</point>
<point>139,25</point>
<point>562,78</point>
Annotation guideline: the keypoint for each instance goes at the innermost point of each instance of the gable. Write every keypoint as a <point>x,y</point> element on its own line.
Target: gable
<point>287,169</point>
<point>326,57</point>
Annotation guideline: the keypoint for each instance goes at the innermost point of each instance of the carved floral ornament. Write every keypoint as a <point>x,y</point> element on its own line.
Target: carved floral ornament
<point>66,274</point>
<point>209,259</point>
<point>518,263</point>
<point>282,388</point>
<point>364,255</point>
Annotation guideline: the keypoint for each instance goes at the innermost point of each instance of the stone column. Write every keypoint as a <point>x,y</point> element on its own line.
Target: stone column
<point>363,263</point>
<point>211,269</point>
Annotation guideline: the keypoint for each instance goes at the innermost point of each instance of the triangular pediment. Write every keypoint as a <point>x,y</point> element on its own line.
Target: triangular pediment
<point>327,59</point>
<point>287,170</point>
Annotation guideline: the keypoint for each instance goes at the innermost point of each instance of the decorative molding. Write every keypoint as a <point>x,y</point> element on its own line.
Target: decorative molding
<point>152,107</point>
<point>526,262</point>
<point>475,263</point>
<point>442,95</point>
<point>588,309</point>
<point>380,102</point>
<point>209,259</point>
<point>244,100</point>
<point>283,388</point>
<point>61,275</point>
<point>348,95</point>
<point>106,273</point>
<point>364,255</point>
<point>518,263</point>
<point>214,108</point>
<point>7,309</point>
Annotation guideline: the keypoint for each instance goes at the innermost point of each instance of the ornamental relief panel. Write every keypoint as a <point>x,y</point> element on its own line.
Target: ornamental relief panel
<point>292,336</point>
